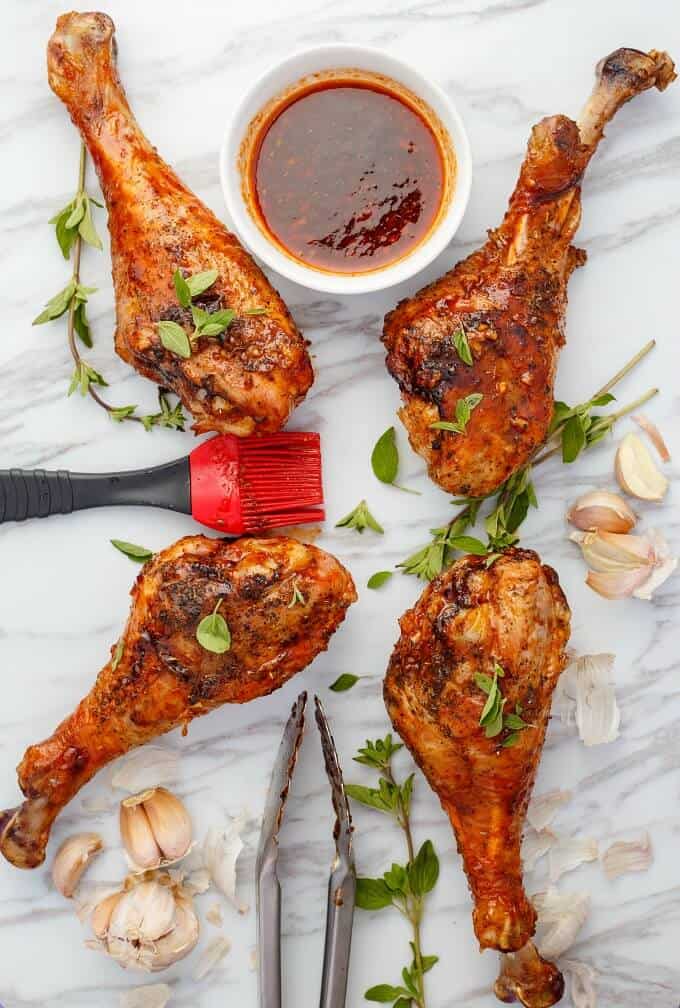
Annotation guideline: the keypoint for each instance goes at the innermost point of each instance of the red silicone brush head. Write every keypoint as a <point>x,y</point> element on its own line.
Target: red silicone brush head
<point>250,484</point>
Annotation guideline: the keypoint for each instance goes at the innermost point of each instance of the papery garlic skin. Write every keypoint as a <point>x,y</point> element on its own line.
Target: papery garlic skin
<point>155,828</point>
<point>625,565</point>
<point>637,472</point>
<point>654,434</point>
<point>72,859</point>
<point>600,510</point>
<point>101,915</point>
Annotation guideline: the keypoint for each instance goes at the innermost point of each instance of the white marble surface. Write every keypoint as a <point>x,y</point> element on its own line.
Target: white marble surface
<point>63,590</point>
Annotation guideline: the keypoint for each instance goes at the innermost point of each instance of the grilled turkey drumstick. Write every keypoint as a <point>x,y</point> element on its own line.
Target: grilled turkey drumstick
<point>509,298</point>
<point>249,380</point>
<point>163,678</point>
<point>512,617</point>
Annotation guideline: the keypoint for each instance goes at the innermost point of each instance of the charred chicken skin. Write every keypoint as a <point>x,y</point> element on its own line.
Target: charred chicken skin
<point>160,677</point>
<point>509,300</point>
<point>474,621</point>
<point>250,378</point>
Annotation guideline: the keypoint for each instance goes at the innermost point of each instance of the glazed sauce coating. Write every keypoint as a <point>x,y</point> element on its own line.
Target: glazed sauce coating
<point>347,178</point>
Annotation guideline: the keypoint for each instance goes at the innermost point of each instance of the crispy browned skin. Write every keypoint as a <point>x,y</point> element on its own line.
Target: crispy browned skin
<point>164,677</point>
<point>510,299</point>
<point>250,379</point>
<point>469,618</point>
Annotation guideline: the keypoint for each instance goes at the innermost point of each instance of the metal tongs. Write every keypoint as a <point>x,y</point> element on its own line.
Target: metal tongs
<point>342,881</point>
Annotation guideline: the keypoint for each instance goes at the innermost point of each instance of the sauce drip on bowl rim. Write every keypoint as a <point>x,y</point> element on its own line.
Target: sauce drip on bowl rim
<point>347,172</point>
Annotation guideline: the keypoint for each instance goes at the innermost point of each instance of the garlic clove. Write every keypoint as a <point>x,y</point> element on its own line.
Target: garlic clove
<point>144,914</point>
<point>137,834</point>
<point>617,584</point>
<point>101,915</point>
<point>170,823</point>
<point>180,941</point>
<point>600,510</point>
<point>610,552</point>
<point>72,859</point>
<point>636,471</point>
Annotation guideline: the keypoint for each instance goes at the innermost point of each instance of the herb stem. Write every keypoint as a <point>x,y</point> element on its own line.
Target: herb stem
<point>633,362</point>
<point>70,322</point>
<point>611,417</point>
<point>414,906</point>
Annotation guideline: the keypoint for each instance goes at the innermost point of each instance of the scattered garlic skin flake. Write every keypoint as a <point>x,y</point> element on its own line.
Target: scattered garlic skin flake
<point>221,850</point>
<point>636,470</point>
<point>214,915</point>
<point>597,713</point>
<point>601,511</point>
<point>145,768</point>
<point>627,856</point>
<point>151,996</point>
<point>72,859</point>
<point>655,435</point>
<point>582,983</point>
<point>665,564</point>
<point>211,956</point>
<point>542,809</point>
<point>561,915</point>
<point>535,846</point>
<point>569,854</point>
<point>625,565</point>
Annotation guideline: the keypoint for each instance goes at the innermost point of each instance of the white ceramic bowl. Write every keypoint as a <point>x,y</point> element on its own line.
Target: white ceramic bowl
<point>278,79</point>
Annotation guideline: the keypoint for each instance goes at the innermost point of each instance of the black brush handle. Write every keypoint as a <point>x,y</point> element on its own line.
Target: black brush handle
<point>35,493</point>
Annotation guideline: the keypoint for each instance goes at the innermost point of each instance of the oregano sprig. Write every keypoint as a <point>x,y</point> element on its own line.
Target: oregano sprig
<point>402,886</point>
<point>73,225</point>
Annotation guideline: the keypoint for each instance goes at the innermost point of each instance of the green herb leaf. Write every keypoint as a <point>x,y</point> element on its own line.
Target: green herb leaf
<point>424,871</point>
<point>379,753</point>
<point>428,962</point>
<point>360,518</point>
<point>181,289</point>
<point>171,417</point>
<point>57,305</point>
<point>344,682</point>
<point>120,413</point>
<point>216,322</point>
<point>396,878</point>
<point>81,325</point>
<point>511,740</point>
<point>603,400</point>
<point>385,457</point>
<point>371,797</point>
<point>468,544</point>
<point>372,894</point>
<point>297,597</point>
<point>515,722</point>
<point>174,338</point>
<point>212,633</point>
<point>86,228</point>
<point>83,376</point>
<point>464,408</point>
<point>378,579</point>
<point>462,346</point>
<point>139,553</point>
<point>200,282</point>
<point>485,682</point>
<point>407,793</point>
<point>573,438</point>
<point>383,993</point>
<point>117,654</point>
<point>66,235</point>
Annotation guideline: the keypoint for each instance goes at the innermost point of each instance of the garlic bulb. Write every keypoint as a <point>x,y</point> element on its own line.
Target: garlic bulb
<point>72,859</point>
<point>148,927</point>
<point>155,828</point>
<point>602,511</point>
<point>636,470</point>
<point>623,565</point>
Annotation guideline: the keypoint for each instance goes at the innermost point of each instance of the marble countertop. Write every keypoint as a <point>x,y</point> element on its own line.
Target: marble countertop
<point>64,590</point>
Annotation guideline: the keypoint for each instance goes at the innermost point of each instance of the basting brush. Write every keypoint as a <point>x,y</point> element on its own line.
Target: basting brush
<point>235,485</point>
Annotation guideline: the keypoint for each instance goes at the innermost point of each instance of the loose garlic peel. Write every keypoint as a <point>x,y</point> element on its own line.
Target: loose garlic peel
<point>155,828</point>
<point>72,859</point>
<point>636,470</point>
<point>624,565</point>
<point>601,511</point>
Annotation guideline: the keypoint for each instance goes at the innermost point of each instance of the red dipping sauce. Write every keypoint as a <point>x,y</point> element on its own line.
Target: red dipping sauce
<point>346,175</point>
